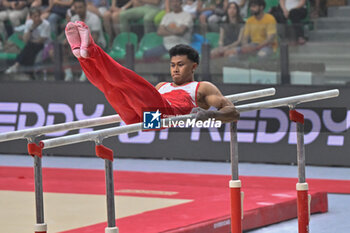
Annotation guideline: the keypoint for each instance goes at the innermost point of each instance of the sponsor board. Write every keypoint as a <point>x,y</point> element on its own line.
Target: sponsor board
<point>264,136</point>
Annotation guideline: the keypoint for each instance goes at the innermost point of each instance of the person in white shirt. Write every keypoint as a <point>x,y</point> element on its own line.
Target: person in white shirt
<point>175,28</point>
<point>36,33</point>
<point>90,19</point>
<point>95,25</point>
<point>190,6</point>
<point>13,11</point>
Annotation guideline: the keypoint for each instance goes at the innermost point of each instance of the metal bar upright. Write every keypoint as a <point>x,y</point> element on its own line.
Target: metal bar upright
<point>35,151</point>
<point>303,199</point>
<point>107,154</point>
<point>301,152</point>
<point>110,193</point>
<point>302,187</point>
<point>40,226</point>
<point>234,151</point>
<point>236,195</point>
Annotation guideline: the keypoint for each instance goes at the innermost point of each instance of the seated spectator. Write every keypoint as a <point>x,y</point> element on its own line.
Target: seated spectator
<point>55,13</point>
<point>190,6</point>
<point>142,9</point>
<point>36,33</point>
<point>13,10</point>
<point>165,8</point>
<point>210,11</point>
<point>243,6</point>
<point>41,4</point>
<point>231,32</point>
<point>175,27</point>
<point>35,3</point>
<point>111,17</point>
<point>98,7</point>
<point>91,20</point>
<point>295,11</point>
<point>95,26</point>
<point>259,37</point>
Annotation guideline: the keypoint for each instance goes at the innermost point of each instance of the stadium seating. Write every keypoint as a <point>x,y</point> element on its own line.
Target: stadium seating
<point>148,41</point>
<point>118,50</point>
<point>213,39</point>
<point>15,39</point>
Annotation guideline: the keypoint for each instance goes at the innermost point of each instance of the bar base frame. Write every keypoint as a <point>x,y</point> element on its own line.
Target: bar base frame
<point>236,197</point>
<point>40,228</point>
<point>303,206</point>
<point>111,230</point>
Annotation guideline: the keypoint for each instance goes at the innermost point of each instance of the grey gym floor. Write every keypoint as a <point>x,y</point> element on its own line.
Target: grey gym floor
<point>336,220</point>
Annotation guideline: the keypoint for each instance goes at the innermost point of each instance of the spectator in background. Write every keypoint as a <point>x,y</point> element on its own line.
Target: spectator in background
<point>55,13</point>
<point>95,25</point>
<point>259,37</point>
<point>210,11</point>
<point>15,11</point>
<point>37,3</point>
<point>295,11</point>
<point>218,16</point>
<point>231,32</point>
<point>36,33</point>
<point>175,27</point>
<point>111,17</point>
<point>243,6</point>
<point>142,9</point>
<point>91,20</point>
<point>190,6</point>
<point>98,7</point>
<point>165,8</point>
<point>41,4</point>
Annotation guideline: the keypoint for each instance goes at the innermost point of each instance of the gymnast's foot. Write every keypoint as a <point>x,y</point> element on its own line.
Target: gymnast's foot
<point>85,37</point>
<point>73,38</point>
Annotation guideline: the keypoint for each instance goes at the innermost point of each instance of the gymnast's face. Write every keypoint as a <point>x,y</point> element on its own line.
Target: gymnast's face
<point>182,69</point>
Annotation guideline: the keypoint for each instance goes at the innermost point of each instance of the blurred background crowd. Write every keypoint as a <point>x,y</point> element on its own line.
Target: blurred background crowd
<point>299,39</point>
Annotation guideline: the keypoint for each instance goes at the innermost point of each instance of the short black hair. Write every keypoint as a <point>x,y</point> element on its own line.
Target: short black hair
<point>257,2</point>
<point>34,10</point>
<point>182,49</point>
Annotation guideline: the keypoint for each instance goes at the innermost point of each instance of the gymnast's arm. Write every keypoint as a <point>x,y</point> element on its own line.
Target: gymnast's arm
<point>209,95</point>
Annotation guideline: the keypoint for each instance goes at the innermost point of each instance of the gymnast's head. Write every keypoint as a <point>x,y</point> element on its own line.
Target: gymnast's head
<point>184,61</point>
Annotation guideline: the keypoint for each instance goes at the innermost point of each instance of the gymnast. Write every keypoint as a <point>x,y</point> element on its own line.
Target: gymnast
<point>130,94</point>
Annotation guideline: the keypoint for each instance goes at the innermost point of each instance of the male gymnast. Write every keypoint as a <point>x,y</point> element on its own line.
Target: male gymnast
<point>130,94</point>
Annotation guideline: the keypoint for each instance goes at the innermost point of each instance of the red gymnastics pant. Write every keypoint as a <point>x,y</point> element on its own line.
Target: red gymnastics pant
<point>127,92</point>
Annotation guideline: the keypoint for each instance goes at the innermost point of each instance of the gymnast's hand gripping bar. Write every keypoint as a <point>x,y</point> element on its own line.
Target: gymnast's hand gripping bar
<point>35,132</point>
<point>99,135</point>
